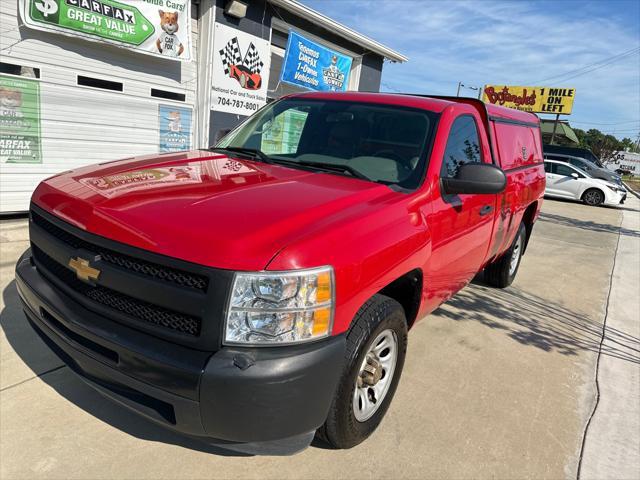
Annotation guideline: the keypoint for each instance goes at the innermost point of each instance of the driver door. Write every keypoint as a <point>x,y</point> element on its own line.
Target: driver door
<point>460,225</point>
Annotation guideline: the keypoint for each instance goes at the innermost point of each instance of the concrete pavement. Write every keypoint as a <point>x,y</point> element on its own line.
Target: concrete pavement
<point>497,383</point>
<point>612,441</point>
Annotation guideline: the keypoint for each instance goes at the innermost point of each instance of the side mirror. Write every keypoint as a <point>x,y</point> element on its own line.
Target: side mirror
<point>475,178</point>
<point>575,175</point>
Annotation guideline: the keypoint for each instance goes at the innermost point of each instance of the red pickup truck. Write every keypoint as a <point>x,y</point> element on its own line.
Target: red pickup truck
<point>262,290</point>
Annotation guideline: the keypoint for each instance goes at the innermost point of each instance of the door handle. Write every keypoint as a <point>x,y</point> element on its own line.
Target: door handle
<point>485,210</point>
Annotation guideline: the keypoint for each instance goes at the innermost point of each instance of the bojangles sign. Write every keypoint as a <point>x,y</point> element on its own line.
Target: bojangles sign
<point>531,99</point>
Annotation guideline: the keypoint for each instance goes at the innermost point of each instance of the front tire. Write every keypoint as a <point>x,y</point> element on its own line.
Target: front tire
<point>502,271</point>
<point>593,197</point>
<point>376,350</point>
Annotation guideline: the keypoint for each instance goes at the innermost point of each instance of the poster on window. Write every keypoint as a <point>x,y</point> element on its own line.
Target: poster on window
<point>154,27</point>
<point>175,128</point>
<point>282,134</point>
<point>240,71</point>
<point>313,66</point>
<point>19,120</point>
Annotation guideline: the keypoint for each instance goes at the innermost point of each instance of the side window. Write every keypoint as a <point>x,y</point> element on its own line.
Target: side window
<point>547,167</point>
<point>576,163</point>
<point>463,146</point>
<point>564,170</point>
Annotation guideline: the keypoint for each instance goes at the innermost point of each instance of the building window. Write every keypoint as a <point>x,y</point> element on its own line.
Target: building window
<point>20,70</point>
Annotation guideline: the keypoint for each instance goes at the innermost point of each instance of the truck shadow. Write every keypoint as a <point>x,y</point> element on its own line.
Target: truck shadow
<point>29,347</point>
<point>534,321</point>
<point>587,225</point>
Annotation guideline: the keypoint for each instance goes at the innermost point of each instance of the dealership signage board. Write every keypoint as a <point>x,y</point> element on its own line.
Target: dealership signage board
<point>310,65</point>
<point>531,99</point>
<point>240,71</point>
<point>159,27</point>
<point>626,161</point>
<point>19,120</point>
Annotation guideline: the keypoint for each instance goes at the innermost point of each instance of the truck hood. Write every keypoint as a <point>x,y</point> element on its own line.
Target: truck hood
<point>205,208</point>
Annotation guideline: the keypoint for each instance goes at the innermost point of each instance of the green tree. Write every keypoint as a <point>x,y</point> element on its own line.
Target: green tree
<point>601,144</point>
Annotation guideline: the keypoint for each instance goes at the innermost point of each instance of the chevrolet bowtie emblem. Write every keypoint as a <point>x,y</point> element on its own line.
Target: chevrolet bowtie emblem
<point>84,271</point>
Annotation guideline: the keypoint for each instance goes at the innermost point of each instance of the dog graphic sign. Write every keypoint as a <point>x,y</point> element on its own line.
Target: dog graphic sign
<point>154,28</point>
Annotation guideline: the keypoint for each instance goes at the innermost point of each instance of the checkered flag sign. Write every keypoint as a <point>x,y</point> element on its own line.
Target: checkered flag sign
<point>252,59</point>
<point>230,54</point>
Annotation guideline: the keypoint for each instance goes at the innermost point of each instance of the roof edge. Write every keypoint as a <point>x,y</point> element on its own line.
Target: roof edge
<point>297,8</point>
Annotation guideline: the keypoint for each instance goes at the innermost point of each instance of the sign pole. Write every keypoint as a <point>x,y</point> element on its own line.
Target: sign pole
<point>555,126</point>
<point>458,92</point>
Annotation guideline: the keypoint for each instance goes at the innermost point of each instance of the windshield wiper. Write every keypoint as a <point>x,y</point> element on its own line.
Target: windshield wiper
<point>331,167</point>
<point>253,152</point>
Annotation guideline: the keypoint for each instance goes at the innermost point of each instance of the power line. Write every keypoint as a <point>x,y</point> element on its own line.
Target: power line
<point>590,67</point>
<point>614,123</point>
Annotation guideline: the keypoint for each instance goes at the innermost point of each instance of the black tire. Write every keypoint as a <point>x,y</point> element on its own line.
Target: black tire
<point>499,273</point>
<point>342,429</point>
<point>593,197</point>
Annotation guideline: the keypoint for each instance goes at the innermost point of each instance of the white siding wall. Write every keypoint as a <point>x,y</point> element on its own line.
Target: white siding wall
<point>83,125</point>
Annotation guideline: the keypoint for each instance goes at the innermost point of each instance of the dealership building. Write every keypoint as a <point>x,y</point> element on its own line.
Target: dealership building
<point>84,82</point>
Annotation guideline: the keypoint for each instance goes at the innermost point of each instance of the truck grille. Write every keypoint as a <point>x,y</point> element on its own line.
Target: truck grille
<point>140,310</point>
<point>160,272</point>
<point>172,299</point>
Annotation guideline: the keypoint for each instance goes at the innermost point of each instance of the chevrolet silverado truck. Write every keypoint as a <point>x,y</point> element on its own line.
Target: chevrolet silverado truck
<point>261,291</point>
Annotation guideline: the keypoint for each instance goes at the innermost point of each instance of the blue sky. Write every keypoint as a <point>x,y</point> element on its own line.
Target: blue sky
<point>509,42</point>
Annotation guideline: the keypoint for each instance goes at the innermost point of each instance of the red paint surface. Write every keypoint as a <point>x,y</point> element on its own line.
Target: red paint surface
<point>242,215</point>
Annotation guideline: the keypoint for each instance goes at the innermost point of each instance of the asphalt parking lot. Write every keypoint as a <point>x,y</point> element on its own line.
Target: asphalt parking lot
<point>497,384</point>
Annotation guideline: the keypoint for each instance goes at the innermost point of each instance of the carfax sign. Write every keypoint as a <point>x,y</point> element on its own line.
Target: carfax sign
<point>531,99</point>
<point>19,120</point>
<point>309,65</point>
<point>153,27</point>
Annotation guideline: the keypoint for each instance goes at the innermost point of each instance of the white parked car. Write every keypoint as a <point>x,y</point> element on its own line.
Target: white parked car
<point>566,181</point>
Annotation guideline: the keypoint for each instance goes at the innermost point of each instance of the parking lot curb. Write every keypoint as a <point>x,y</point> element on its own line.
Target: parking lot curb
<point>631,190</point>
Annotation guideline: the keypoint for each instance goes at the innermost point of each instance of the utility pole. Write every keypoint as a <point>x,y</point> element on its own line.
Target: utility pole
<point>462,85</point>
<point>555,126</point>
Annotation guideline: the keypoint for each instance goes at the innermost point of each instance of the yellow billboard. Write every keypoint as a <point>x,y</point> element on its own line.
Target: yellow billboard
<point>531,99</point>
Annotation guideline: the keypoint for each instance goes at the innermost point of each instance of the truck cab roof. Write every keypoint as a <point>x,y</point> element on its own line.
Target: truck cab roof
<point>433,103</point>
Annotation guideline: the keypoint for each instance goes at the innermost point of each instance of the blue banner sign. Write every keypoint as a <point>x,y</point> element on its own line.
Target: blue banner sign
<point>307,64</point>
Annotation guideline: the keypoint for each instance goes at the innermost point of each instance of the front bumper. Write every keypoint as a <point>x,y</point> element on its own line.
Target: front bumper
<point>615,198</point>
<point>234,394</point>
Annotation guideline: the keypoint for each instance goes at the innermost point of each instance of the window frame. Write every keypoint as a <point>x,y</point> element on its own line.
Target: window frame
<point>567,165</point>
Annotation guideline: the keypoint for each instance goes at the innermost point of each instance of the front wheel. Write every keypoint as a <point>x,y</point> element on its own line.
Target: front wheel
<point>502,271</point>
<point>376,349</point>
<point>593,197</point>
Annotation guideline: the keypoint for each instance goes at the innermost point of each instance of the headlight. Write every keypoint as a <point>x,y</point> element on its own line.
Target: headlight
<point>280,307</point>
<point>616,189</point>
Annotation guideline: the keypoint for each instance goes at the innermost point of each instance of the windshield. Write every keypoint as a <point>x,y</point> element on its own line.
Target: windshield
<point>381,143</point>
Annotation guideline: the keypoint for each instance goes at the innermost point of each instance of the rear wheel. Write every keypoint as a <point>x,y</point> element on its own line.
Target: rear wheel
<point>376,348</point>
<point>593,197</point>
<point>502,271</point>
